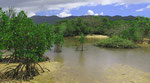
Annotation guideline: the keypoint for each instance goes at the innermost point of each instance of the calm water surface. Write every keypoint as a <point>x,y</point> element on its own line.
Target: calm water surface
<point>89,65</point>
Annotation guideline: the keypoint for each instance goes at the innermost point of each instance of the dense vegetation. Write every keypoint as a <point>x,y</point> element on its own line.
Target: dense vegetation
<point>134,30</point>
<point>27,41</point>
<point>116,42</point>
<point>59,40</point>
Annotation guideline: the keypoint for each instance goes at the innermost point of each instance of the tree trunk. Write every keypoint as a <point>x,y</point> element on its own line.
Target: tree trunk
<point>58,48</point>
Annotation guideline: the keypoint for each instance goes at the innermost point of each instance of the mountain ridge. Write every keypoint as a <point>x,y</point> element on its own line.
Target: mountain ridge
<point>53,19</point>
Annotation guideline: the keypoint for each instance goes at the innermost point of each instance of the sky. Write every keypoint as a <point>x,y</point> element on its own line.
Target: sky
<point>65,8</point>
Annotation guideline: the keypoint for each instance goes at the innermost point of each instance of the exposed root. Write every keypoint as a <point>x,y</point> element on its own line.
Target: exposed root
<point>24,72</point>
<point>4,80</point>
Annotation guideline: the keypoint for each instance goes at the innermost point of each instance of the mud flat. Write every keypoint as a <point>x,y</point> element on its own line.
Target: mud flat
<point>52,66</point>
<point>95,36</point>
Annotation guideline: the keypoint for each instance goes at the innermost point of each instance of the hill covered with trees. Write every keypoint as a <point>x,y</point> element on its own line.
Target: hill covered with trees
<point>53,19</point>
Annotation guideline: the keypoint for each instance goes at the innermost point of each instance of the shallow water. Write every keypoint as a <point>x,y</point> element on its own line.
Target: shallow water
<point>94,63</point>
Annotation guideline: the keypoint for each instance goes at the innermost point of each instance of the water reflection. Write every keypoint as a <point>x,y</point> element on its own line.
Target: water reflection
<point>81,58</point>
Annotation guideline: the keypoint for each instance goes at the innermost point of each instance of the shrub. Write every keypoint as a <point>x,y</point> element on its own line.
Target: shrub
<point>116,42</point>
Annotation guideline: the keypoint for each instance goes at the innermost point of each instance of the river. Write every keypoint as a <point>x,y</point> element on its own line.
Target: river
<point>100,65</point>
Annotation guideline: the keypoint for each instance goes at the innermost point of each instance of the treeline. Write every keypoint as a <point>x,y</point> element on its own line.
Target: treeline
<point>135,29</point>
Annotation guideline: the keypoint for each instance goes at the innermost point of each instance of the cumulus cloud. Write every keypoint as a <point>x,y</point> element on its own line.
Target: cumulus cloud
<point>90,12</point>
<point>33,6</point>
<point>65,13</point>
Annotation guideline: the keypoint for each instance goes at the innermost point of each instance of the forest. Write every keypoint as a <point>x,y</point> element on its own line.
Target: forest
<point>135,29</point>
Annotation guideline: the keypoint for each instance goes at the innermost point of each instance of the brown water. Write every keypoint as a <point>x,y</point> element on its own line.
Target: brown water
<point>100,65</point>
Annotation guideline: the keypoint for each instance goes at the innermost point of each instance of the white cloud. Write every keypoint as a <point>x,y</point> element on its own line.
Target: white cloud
<point>65,13</point>
<point>90,12</point>
<point>139,10</point>
<point>96,14</point>
<point>102,13</point>
<point>34,6</point>
<point>148,6</point>
<point>142,9</point>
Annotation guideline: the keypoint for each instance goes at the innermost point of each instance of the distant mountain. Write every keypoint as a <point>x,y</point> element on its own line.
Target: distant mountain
<point>53,19</point>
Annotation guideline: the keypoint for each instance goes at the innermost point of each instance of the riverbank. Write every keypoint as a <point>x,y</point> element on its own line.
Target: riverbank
<point>144,45</point>
<point>52,66</point>
<point>94,37</point>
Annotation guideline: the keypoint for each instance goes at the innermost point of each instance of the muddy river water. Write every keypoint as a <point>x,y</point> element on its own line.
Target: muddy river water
<point>100,65</point>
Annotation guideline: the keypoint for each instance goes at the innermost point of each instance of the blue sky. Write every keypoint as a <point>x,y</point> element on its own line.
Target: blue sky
<point>111,10</point>
<point>65,8</point>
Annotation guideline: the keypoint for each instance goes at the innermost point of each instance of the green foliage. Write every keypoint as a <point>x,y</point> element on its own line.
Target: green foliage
<point>116,42</point>
<point>59,39</point>
<point>29,41</point>
<point>5,32</point>
<point>78,25</point>
<point>82,38</point>
<point>135,29</point>
<point>134,34</point>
